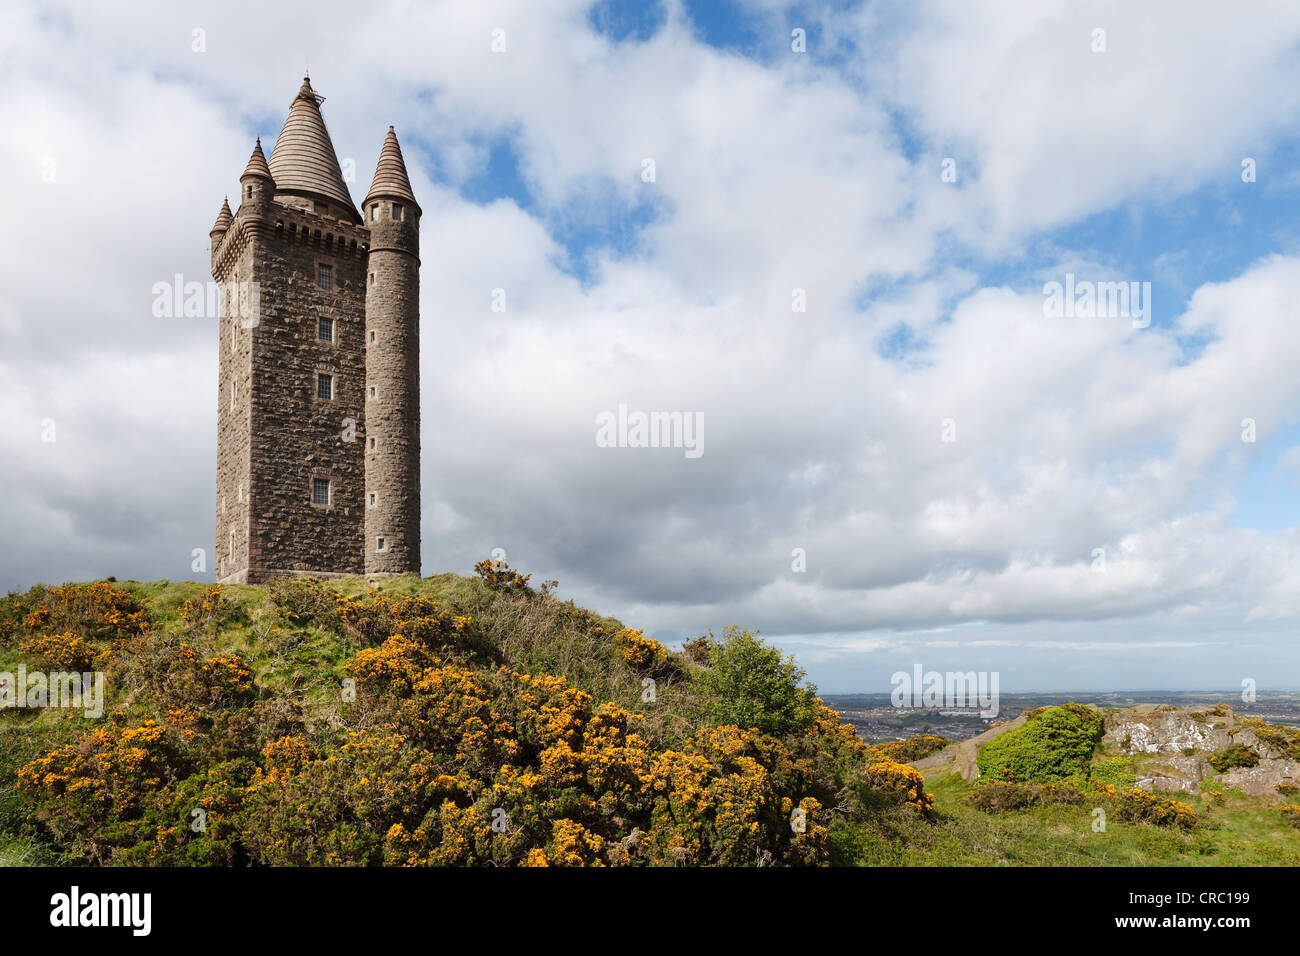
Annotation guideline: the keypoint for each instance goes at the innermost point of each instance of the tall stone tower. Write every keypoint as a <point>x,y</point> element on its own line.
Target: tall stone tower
<point>318,448</point>
<point>392,368</point>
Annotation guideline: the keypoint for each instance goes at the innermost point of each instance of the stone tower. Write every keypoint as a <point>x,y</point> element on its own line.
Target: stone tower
<point>392,368</point>
<point>318,416</point>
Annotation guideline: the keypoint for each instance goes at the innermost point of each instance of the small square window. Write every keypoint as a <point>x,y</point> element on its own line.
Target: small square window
<point>324,275</point>
<point>320,492</point>
<point>325,329</point>
<point>397,211</point>
<point>382,545</point>
<point>324,386</point>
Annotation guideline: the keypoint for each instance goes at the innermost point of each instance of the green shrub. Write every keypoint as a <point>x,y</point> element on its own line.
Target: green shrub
<point>1055,743</point>
<point>749,684</point>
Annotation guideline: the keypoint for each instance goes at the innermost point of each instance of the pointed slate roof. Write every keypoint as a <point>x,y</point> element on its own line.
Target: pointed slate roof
<point>257,163</point>
<point>303,161</point>
<point>391,180</point>
<point>224,218</point>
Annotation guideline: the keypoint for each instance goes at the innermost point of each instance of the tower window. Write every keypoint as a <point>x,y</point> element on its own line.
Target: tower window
<point>381,545</point>
<point>320,492</point>
<point>374,212</point>
<point>372,278</point>
<point>397,211</point>
<point>324,386</point>
<point>374,499</point>
<point>248,192</point>
<point>372,444</point>
<point>231,554</point>
<point>374,392</point>
<point>325,329</point>
<point>372,338</point>
<point>324,275</point>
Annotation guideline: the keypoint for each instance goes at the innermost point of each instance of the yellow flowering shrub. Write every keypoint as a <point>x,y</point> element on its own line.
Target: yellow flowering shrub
<point>417,618</point>
<point>1134,805</point>
<point>642,654</point>
<point>902,782</point>
<point>95,611</point>
<point>498,576</point>
<point>450,752</point>
<point>572,844</point>
<point>83,790</point>
<point>65,652</point>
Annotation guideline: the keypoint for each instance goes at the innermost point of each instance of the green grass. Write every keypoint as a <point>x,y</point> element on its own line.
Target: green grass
<point>1237,830</point>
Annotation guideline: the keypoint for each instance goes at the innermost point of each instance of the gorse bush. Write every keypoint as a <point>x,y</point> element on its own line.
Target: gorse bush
<point>910,748</point>
<point>1133,805</point>
<point>1236,755</point>
<point>307,724</point>
<point>1054,743</point>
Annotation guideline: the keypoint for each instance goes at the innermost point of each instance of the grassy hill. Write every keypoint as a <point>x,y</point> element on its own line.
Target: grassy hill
<point>483,721</point>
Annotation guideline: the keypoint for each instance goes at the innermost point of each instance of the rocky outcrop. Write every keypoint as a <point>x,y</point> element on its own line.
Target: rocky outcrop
<point>1189,737</point>
<point>1262,779</point>
<point>1153,730</point>
<point>1175,775</point>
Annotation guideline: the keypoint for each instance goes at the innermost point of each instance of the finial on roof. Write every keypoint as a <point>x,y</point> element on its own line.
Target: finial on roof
<point>391,180</point>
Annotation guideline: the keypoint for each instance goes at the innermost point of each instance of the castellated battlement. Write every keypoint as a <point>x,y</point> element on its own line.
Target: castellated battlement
<point>318,392</point>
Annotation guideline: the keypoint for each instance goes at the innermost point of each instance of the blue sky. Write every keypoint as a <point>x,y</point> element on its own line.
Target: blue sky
<point>779,174</point>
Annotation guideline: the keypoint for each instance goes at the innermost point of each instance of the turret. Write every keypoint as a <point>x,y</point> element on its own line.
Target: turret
<point>256,187</point>
<point>392,215</point>
<point>220,227</point>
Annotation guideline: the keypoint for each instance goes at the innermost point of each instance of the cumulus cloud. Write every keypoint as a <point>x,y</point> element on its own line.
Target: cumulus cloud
<point>1085,502</point>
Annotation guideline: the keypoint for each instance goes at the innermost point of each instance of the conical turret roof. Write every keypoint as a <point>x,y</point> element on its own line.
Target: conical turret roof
<point>257,163</point>
<point>391,180</point>
<point>224,218</point>
<point>303,161</point>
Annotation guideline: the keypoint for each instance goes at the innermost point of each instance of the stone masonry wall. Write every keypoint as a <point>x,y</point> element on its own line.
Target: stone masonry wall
<point>296,436</point>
